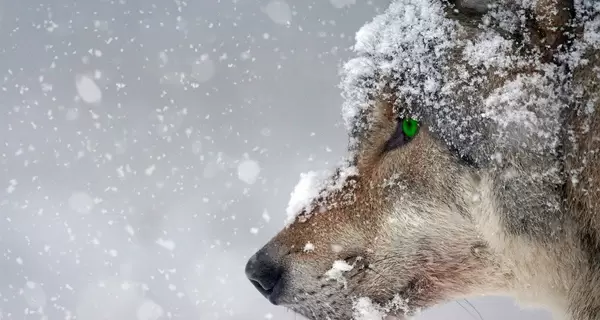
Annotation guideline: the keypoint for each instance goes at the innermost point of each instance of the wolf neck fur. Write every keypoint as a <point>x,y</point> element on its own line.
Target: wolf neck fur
<point>539,273</point>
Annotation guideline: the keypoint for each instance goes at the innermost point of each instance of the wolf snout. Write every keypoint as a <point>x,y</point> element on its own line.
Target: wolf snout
<point>265,273</point>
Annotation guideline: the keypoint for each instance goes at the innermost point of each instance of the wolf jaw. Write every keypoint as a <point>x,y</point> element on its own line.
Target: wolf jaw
<point>495,194</point>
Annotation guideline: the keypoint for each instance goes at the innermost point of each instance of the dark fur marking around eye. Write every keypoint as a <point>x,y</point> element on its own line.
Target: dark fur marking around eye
<point>397,140</point>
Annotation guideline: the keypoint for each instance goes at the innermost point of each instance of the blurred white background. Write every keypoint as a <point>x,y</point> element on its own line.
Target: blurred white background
<point>149,148</point>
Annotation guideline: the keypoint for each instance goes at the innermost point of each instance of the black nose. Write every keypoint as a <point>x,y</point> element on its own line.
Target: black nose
<point>265,274</point>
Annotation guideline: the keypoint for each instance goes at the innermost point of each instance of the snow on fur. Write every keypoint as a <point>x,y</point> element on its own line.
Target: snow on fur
<point>408,47</point>
<point>512,102</point>
<point>496,102</point>
<point>412,36</point>
<point>337,271</point>
<point>377,42</point>
<point>365,309</point>
<point>315,185</point>
<point>478,95</point>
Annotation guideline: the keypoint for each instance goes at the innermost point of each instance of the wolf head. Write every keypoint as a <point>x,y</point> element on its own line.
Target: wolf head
<point>396,230</point>
<point>452,129</point>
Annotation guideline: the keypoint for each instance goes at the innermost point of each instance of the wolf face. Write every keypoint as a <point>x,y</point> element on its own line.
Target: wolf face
<point>455,183</point>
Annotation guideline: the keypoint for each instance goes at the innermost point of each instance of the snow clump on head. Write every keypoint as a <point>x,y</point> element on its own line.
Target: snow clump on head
<point>314,187</point>
<point>412,36</point>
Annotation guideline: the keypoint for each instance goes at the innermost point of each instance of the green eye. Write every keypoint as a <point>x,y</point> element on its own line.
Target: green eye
<point>410,127</point>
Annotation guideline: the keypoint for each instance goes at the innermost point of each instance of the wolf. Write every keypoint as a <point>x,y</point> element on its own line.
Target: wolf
<point>473,168</point>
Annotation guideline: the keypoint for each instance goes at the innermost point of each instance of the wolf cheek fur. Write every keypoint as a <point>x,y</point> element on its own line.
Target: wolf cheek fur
<point>496,194</point>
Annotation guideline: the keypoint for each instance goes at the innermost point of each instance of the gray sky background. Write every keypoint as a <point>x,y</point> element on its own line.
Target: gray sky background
<point>149,148</point>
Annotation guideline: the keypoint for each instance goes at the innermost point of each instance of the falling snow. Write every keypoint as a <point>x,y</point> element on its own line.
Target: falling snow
<point>81,202</point>
<point>167,244</point>
<point>12,185</point>
<point>87,89</point>
<point>248,171</point>
<point>35,295</point>
<point>203,69</point>
<point>279,11</point>
<point>148,149</point>
<point>342,3</point>
<point>150,170</point>
<point>149,310</point>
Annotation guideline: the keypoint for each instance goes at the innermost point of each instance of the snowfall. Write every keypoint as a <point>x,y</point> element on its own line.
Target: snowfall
<point>149,148</point>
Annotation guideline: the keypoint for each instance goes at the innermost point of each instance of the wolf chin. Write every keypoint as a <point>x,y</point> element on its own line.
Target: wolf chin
<point>473,167</point>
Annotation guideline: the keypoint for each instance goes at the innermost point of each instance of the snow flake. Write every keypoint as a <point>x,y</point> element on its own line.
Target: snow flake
<point>12,184</point>
<point>167,244</point>
<point>149,310</point>
<point>163,57</point>
<point>203,69</point>
<point>308,247</point>
<point>197,147</point>
<point>34,295</point>
<point>266,216</point>
<point>72,114</point>
<point>150,170</point>
<point>81,202</point>
<point>279,11</point>
<point>265,132</point>
<point>342,3</point>
<point>248,171</point>
<point>129,230</point>
<point>87,89</point>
